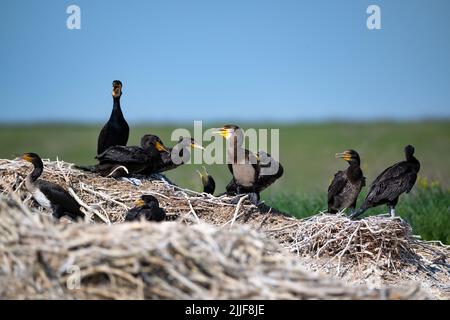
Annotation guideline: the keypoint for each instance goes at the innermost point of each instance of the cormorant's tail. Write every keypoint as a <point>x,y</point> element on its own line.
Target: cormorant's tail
<point>91,168</point>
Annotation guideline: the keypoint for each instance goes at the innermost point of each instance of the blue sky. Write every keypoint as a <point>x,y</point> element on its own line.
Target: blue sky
<point>234,60</point>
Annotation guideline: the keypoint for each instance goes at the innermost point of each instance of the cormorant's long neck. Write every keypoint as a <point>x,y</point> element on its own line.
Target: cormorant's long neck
<point>411,159</point>
<point>37,171</point>
<point>354,172</point>
<point>117,111</point>
<point>235,149</point>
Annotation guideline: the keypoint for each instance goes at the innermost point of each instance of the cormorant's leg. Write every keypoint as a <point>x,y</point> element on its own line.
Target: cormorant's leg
<point>392,211</point>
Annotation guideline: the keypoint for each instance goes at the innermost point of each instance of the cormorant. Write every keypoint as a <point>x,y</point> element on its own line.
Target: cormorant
<point>147,206</point>
<point>115,132</point>
<point>243,164</point>
<point>173,158</point>
<point>134,159</point>
<point>391,183</point>
<point>50,195</point>
<point>209,185</point>
<point>344,189</point>
<point>266,177</point>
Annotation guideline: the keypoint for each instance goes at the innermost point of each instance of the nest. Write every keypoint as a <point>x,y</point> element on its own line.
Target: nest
<point>377,242</point>
<point>144,260</point>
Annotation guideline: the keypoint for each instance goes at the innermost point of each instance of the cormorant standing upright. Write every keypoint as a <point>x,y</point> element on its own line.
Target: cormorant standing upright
<point>344,189</point>
<point>115,132</point>
<point>391,183</point>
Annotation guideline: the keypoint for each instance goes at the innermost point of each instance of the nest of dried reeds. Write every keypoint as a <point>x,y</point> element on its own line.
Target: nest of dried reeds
<point>143,260</point>
<point>381,242</point>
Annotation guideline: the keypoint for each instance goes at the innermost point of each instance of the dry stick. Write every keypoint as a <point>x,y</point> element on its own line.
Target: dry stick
<point>88,208</point>
<point>191,208</point>
<point>241,200</point>
<point>283,228</point>
<point>102,195</point>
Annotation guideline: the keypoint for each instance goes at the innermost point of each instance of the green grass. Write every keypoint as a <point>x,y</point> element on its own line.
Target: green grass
<point>306,152</point>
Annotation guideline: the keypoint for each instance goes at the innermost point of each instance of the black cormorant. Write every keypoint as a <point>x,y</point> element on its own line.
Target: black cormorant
<point>175,157</point>
<point>50,195</point>
<point>146,206</point>
<point>115,132</point>
<point>391,183</point>
<point>134,159</point>
<point>209,185</point>
<point>344,189</point>
<point>243,164</point>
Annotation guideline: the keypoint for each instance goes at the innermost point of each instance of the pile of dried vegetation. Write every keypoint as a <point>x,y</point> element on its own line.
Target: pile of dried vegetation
<point>186,258</point>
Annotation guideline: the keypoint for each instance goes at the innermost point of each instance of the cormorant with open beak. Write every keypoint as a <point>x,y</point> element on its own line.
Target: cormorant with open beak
<point>344,189</point>
<point>146,206</point>
<point>243,164</point>
<point>120,160</point>
<point>391,183</point>
<point>115,132</point>
<point>50,195</point>
<point>173,158</point>
<point>209,185</point>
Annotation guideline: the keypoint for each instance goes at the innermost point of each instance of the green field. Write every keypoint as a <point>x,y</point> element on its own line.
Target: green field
<point>306,152</point>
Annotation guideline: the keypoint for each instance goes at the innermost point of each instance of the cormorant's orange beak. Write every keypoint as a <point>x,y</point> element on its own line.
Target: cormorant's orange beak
<point>27,158</point>
<point>117,90</point>
<point>224,132</point>
<point>344,155</point>
<point>160,147</point>
<point>139,203</point>
<point>196,145</point>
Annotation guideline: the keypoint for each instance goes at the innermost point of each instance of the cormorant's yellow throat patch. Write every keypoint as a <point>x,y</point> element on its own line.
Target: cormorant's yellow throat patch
<point>139,203</point>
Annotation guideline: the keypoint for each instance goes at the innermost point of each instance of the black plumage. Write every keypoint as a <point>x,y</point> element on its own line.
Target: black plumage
<point>270,171</point>
<point>391,183</point>
<point>209,185</point>
<point>116,131</point>
<point>346,185</point>
<point>50,195</point>
<point>173,158</point>
<point>146,207</point>
<point>120,160</point>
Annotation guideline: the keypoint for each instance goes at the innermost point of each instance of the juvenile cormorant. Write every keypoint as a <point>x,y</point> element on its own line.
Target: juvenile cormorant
<point>209,185</point>
<point>50,195</point>
<point>344,189</point>
<point>391,183</point>
<point>134,159</point>
<point>115,132</point>
<point>243,164</point>
<point>173,158</point>
<point>147,206</point>
<point>270,171</point>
